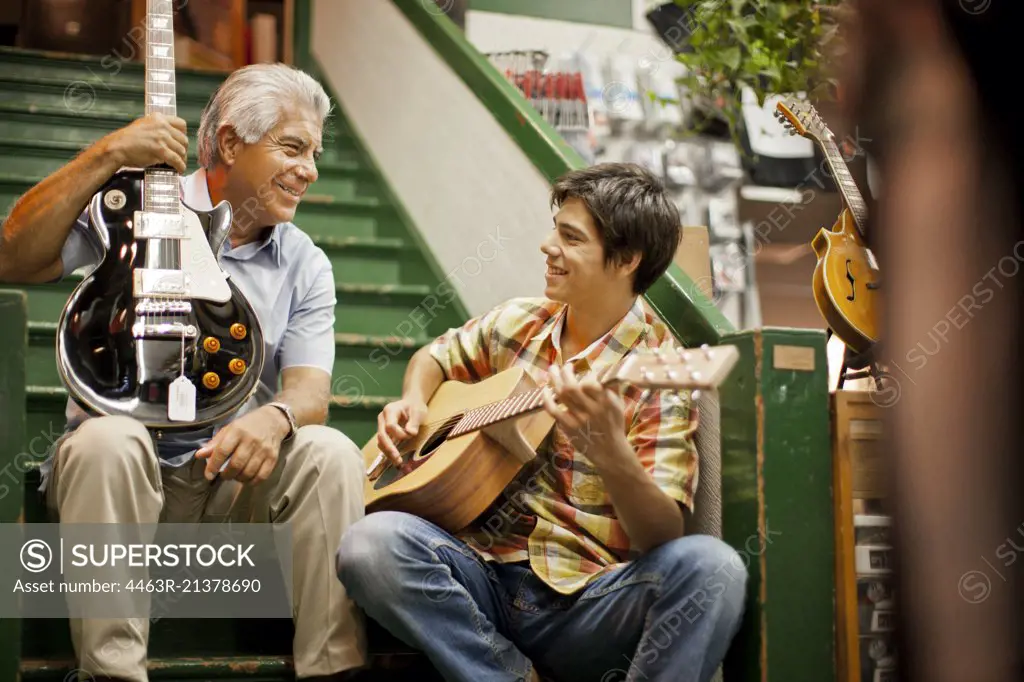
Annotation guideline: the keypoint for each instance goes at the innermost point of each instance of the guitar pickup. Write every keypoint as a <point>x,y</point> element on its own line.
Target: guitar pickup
<point>159,225</point>
<point>158,282</point>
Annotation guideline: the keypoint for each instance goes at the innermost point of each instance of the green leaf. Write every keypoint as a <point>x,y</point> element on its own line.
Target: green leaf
<point>731,58</point>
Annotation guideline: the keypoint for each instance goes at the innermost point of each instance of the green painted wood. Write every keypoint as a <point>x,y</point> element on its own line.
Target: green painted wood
<point>78,98</point>
<point>617,13</point>
<point>777,506</point>
<point>690,315</point>
<point>13,340</point>
<point>99,72</point>
<point>302,37</point>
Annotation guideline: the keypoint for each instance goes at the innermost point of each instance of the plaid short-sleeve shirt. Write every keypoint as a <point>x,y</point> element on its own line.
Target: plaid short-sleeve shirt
<point>557,514</point>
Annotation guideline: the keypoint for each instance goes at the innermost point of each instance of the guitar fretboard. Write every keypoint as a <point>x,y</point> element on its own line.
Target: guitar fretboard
<point>481,417</point>
<point>846,183</point>
<point>161,186</point>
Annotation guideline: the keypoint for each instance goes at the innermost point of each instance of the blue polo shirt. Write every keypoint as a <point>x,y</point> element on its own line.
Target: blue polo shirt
<point>286,278</point>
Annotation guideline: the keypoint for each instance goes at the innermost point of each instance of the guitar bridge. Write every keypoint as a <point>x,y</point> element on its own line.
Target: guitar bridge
<point>174,330</point>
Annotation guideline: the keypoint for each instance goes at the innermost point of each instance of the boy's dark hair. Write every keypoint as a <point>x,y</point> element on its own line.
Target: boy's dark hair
<point>632,212</point>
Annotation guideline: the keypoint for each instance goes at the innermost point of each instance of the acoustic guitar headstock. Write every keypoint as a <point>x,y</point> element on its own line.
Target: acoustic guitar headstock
<point>701,368</point>
<point>801,118</point>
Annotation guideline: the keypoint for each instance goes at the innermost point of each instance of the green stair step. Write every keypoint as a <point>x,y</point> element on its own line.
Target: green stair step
<point>363,364</point>
<point>342,173</point>
<point>262,668</point>
<point>59,122</point>
<point>92,96</point>
<point>93,69</point>
<point>317,215</point>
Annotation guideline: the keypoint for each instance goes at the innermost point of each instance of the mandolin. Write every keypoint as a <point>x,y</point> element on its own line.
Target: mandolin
<point>477,437</point>
<point>846,278</point>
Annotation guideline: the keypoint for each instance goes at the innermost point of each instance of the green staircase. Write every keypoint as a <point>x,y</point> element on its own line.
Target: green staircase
<point>50,109</point>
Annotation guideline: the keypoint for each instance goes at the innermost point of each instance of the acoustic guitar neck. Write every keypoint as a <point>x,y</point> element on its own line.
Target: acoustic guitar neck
<point>694,369</point>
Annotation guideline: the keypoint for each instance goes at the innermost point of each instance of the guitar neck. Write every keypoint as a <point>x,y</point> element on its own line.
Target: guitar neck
<point>846,183</point>
<point>516,406</point>
<point>161,187</point>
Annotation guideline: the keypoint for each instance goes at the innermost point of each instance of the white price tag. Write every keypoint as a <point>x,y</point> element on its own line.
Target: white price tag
<point>181,400</point>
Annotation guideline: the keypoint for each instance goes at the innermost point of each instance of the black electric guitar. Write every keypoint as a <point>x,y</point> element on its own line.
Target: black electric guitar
<point>157,331</point>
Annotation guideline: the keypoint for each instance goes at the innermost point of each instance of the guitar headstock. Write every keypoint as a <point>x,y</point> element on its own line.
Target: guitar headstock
<point>801,118</point>
<point>701,368</point>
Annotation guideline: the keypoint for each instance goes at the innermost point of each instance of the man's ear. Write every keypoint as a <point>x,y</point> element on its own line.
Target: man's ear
<point>229,144</point>
<point>631,263</point>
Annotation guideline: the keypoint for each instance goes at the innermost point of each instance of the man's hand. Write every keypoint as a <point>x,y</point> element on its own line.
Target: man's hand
<point>252,442</point>
<point>396,422</point>
<point>149,141</point>
<point>589,413</point>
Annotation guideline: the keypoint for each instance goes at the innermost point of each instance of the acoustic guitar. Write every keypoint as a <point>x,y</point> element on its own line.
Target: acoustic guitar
<point>846,278</point>
<point>477,437</point>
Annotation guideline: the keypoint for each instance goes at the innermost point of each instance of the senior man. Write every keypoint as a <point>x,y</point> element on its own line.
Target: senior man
<point>259,140</point>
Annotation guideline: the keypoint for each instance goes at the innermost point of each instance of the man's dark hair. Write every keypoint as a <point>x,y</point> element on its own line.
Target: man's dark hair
<point>632,212</point>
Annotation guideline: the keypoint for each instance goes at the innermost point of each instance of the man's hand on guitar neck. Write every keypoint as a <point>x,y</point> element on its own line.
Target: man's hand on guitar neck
<point>151,140</point>
<point>397,422</point>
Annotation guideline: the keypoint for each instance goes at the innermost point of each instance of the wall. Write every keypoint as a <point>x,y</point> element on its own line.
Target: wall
<point>478,201</point>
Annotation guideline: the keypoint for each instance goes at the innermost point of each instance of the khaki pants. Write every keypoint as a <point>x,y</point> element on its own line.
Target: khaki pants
<point>107,471</point>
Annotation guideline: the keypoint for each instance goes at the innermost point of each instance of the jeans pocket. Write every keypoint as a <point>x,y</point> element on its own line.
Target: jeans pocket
<point>534,596</point>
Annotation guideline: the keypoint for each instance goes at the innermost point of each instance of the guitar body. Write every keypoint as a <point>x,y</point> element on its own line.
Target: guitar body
<point>110,367</point>
<point>451,481</point>
<point>845,284</point>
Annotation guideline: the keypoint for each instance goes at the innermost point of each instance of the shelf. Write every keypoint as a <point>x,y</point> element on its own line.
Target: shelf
<point>783,215</point>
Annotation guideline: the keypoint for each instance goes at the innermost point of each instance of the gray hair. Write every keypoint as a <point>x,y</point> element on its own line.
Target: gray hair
<point>251,100</point>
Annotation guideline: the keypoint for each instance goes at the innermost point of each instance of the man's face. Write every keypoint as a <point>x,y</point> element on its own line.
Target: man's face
<point>275,172</point>
<point>576,272</point>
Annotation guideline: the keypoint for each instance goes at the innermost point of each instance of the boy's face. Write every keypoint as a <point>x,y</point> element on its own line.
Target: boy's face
<point>576,272</point>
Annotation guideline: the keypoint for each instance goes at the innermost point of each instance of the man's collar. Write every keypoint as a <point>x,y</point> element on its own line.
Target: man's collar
<point>196,193</point>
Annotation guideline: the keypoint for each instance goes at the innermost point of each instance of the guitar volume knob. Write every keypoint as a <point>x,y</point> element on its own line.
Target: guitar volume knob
<point>238,331</point>
<point>237,366</point>
<point>211,344</point>
<point>211,380</point>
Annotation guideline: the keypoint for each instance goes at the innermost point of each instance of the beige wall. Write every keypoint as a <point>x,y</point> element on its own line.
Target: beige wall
<point>478,201</point>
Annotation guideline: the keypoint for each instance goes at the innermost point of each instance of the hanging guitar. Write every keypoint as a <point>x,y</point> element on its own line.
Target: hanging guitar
<point>846,279</point>
<point>157,331</point>
<point>477,437</point>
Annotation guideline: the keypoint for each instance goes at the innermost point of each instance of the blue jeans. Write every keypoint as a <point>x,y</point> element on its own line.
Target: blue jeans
<point>669,615</point>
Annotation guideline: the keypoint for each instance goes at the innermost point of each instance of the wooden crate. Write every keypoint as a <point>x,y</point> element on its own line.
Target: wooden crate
<point>859,487</point>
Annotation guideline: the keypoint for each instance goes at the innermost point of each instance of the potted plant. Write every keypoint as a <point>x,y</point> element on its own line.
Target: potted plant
<point>769,46</point>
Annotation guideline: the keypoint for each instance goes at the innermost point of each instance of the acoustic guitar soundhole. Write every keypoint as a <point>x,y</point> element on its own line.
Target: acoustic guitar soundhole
<point>414,458</point>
